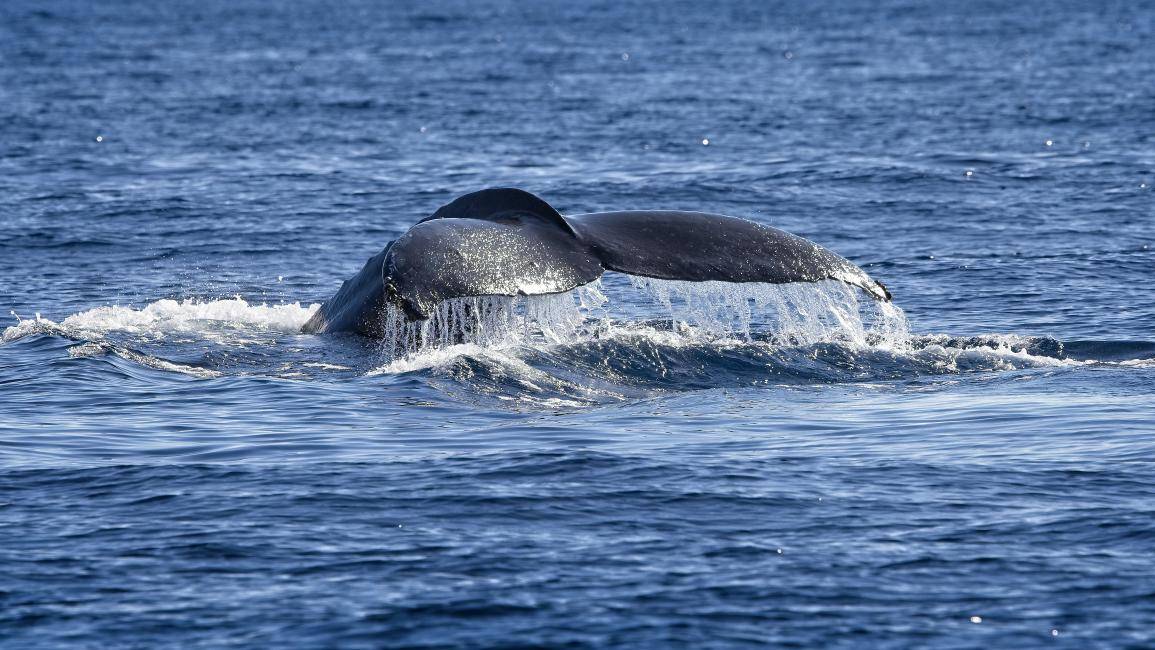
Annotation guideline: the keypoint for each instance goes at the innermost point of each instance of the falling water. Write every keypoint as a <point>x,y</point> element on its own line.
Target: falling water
<point>783,314</point>
<point>798,314</point>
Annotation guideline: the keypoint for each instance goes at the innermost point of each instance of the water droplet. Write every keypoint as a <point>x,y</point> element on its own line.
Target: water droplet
<point>976,619</point>
<point>705,142</point>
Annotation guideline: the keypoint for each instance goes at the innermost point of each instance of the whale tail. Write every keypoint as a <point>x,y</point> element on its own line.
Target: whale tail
<point>508,242</point>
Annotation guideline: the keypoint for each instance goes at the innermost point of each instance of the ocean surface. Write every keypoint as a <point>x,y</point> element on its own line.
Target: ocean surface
<point>655,465</point>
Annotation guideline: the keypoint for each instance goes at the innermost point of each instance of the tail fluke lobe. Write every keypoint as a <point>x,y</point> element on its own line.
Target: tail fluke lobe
<point>457,258</point>
<point>697,247</point>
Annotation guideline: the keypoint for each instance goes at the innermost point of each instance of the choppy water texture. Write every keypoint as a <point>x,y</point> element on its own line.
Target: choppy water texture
<point>181,183</point>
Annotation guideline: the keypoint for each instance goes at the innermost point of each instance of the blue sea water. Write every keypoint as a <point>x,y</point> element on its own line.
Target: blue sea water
<point>182,182</point>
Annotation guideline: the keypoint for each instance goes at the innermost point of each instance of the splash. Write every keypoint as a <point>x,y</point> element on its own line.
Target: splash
<point>601,342</point>
<point>786,314</point>
<point>676,312</point>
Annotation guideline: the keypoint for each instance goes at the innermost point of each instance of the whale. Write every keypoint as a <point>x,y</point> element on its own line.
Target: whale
<point>509,242</point>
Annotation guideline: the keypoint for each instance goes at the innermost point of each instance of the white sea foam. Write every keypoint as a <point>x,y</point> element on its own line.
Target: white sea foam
<point>1139,363</point>
<point>192,315</point>
<point>439,357</point>
<point>171,316</point>
<point>1005,354</point>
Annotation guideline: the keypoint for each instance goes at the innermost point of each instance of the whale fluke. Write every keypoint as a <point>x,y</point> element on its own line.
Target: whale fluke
<point>508,242</point>
<point>698,247</point>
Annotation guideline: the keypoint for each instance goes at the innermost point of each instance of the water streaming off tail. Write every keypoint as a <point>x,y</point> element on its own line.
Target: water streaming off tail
<point>495,321</point>
<point>784,314</point>
<point>695,312</point>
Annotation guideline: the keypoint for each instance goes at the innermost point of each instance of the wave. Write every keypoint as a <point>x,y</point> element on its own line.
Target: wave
<point>89,350</point>
<point>640,361</point>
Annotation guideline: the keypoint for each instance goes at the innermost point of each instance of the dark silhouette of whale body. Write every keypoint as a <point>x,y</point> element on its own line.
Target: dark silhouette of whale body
<point>508,242</point>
